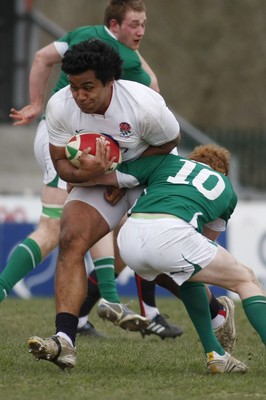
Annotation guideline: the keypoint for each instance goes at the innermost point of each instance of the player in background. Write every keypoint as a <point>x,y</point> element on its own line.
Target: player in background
<point>124,28</point>
<point>186,199</point>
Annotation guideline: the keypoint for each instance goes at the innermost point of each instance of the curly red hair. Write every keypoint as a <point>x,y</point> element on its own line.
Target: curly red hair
<point>215,156</point>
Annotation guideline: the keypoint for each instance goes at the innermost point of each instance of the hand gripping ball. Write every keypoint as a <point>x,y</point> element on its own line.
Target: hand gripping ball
<point>77,143</point>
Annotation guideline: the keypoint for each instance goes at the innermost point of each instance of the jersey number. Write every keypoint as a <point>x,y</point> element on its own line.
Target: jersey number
<point>198,181</point>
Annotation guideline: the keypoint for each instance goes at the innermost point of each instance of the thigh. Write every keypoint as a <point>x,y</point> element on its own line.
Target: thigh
<point>53,196</point>
<point>81,226</point>
<point>94,197</point>
<point>224,270</point>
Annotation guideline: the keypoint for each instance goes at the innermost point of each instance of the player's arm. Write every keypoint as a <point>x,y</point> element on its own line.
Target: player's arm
<point>154,82</point>
<point>105,180</point>
<point>165,148</point>
<point>44,60</point>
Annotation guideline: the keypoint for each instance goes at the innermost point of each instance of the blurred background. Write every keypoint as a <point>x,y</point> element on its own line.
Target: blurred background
<point>209,57</point>
<point>210,60</point>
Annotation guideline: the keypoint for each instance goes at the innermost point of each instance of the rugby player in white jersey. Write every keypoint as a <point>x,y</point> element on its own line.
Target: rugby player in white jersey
<point>138,118</point>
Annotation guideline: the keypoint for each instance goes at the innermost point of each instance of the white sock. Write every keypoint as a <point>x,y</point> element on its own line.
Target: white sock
<point>218,321</point>
<point>150,312</point>
<point>65,336</point>
<point>82,321</point>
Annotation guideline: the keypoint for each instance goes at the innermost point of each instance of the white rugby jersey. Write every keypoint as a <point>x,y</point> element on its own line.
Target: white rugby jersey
<point>137,117</point>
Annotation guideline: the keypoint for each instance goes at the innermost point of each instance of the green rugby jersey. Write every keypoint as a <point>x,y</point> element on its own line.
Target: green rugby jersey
<point>132,68</point>
<point>178,186</point>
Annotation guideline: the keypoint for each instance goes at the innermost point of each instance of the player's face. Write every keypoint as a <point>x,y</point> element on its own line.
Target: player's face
<point>132,29</point>
<point>91,96</point>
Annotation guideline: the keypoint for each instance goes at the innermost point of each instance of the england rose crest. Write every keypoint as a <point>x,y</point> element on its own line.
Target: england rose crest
<point>125,129</point>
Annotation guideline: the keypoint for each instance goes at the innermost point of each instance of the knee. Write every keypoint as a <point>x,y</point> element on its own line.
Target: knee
<point>247,274</point>
<point>47,235</point>
<point>71,240</point>
<point>250,275</point>
<point>246,277</point>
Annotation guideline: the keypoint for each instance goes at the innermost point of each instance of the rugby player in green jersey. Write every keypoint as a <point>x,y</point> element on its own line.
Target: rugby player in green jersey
<point>171,231</point>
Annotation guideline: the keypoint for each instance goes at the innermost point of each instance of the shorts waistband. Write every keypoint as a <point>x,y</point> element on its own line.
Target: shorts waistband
<point>152,216</point>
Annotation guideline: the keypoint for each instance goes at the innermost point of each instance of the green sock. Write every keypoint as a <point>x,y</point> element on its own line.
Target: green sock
<point>195,299</point>
<point>105,272</point>
<point>255,309</point>
<point>24,259</point>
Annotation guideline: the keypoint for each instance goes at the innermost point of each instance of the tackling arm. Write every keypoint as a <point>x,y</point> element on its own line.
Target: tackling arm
<point>165,148</point>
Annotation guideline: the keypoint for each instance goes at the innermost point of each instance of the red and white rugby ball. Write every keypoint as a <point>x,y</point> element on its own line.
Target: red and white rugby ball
<point>81,141</point>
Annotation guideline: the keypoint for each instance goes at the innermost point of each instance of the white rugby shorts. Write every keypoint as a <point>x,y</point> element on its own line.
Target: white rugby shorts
<point>94,196</point>
<point>42,155</point>
<point>166,245</point>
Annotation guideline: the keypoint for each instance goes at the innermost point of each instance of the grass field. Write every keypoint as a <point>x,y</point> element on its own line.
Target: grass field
<point>122,366</point>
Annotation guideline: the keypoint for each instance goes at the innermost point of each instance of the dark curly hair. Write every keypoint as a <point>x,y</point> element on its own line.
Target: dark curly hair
<point>93,55</point>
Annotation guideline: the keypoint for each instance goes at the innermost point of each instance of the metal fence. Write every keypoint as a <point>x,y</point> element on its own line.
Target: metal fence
<point>249,148</point>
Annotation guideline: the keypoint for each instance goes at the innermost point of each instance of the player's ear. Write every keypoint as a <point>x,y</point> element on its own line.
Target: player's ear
<point>113,25</point>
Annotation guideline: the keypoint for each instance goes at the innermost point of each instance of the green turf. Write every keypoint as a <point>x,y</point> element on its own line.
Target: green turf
<point>124,366</point>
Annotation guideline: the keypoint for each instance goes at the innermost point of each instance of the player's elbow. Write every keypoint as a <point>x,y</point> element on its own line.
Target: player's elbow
<point>154,85</point>
<point>39,57</point>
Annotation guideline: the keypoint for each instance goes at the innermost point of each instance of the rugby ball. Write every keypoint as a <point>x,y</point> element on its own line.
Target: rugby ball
<point>81,141</point>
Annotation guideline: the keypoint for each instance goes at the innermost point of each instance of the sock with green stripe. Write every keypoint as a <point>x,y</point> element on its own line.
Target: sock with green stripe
<point>255,310</point>
<point>194,297</point>
<point>24,259</point>
<point>105,272</point>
